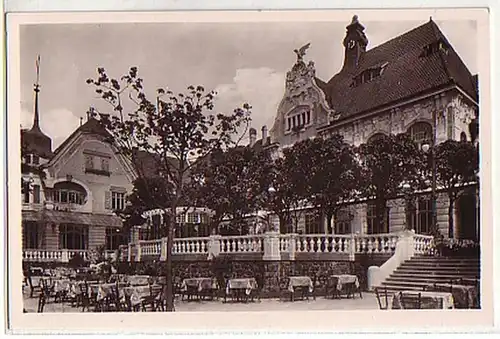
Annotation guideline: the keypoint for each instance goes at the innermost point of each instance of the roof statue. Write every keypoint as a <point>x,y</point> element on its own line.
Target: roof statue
<point>301,51</point>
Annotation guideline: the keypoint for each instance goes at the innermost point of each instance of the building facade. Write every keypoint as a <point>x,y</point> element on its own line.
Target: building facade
<point>392,88</point>
<point>70,193</point>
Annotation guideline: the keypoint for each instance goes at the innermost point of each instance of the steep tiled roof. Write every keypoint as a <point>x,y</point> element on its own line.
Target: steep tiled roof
<point>406,74</point>
<point>92,126</point>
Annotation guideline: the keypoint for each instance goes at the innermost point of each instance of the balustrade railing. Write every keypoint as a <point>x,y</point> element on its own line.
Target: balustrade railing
<point>422,244</point>
<point>190,245</point>
<point>242,244</point>
<point>150,247</point>
<point>35,255</point>
<point>42,255</point>
<point>376,243</point>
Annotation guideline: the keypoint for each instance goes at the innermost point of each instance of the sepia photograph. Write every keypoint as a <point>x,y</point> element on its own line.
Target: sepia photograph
<point>249,165</point>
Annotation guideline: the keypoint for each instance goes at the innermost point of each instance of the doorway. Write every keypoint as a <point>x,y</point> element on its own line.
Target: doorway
<point>467,217</point>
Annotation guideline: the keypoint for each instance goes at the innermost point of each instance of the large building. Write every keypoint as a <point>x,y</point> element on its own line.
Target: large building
<point>389,89</point>
<point>70,193</point>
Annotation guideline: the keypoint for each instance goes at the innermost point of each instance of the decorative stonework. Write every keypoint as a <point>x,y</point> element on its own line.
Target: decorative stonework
<point>302,95</point>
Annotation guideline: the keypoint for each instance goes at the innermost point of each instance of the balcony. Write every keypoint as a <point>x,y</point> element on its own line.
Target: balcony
<point>61,256</point>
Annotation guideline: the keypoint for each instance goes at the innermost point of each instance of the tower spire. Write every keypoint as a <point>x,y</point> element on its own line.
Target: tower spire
<point>36,119</point>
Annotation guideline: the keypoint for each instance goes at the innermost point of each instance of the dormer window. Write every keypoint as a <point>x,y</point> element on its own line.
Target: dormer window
<point>369,74</point>
<point>434,47</point>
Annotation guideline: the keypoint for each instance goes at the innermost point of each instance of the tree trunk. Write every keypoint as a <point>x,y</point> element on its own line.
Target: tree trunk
<point>169,277</point>
<point>380,220</point>
<point>329,226</point>
<point>451,217</point>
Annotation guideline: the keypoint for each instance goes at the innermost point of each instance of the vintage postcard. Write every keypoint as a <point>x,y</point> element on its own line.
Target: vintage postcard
<point>249,171</point>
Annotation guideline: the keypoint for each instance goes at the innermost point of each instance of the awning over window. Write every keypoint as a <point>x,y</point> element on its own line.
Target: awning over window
<point>62,217</point>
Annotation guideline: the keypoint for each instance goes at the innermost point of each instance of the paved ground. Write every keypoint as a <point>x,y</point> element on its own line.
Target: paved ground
<point>369,301</point>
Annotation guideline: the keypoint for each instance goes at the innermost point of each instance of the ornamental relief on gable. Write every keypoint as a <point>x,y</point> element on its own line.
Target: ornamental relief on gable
<point>301,91</point>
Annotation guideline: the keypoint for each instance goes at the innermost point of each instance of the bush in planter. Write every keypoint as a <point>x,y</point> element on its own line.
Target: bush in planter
<point>76,261</point>
<point>221,267</point>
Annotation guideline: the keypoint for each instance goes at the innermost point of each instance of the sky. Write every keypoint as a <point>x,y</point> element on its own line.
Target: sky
<point>243,62</point>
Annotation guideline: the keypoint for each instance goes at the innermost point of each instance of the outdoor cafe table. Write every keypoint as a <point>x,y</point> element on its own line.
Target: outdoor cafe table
<point>242,287</point>
<point>138,280</point>
<point>347,283</point>
<point>464,296</point>
<point>429,300</point>
<point>138,293</point>
<point>197,286</point>
<point>303,283</point>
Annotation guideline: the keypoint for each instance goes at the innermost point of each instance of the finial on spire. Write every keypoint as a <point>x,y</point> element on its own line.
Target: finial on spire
<point>36,119</point>
<point>354,19</point>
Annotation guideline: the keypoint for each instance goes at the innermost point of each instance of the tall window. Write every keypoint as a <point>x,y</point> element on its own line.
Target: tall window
<point>105,164</point>
<point>73,237</point>
<point>421,132</point>
<point>36,194</point>
<point>36,159</point>
<point>30,235</point>
<point>422,216</point>
<point>89,162</point>
<point>371,220</point>
<point>313,224</point>
<point>114,238</point>
<point>117,201</point>
<point>298,120</point>
<point>26,192</point>
<point>343,220</point>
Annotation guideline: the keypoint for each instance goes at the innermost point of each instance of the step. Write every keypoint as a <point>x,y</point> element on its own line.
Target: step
<point>407,284</point>
<point>430,258</point>
<point>440,264</point>
<point>423,279</point>
<point>430,276</point>
<point>438,269</point>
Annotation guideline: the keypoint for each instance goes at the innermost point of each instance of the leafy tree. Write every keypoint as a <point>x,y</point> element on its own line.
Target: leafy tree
<point>235,181</point>
<point>332,172</point>
<point>173,129</point>
<point>387,163</point>
<point>457,163</point>
<point>289,189</point>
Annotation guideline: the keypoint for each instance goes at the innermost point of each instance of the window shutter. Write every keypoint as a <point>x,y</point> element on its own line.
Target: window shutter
<point>107,200</point>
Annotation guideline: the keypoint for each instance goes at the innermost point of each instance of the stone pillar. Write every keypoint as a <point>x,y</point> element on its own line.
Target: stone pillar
<point>214,246</point>
<point>64,256</point>
<point>129,252</point>
<point>138,251</point>
<point>352,247</point>
<point>272,247</point>
<point>163,249</point>
<point>292,244</point>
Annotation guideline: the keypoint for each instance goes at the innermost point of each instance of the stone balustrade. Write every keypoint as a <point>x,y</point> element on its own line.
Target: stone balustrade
<point>63,256</point>
<point>242,244</point>
<point>407,244</point>
<point>268,246</point>
<point>190,245</point>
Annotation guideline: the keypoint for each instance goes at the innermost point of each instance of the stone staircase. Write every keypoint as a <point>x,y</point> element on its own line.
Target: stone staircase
<point>421,271</point>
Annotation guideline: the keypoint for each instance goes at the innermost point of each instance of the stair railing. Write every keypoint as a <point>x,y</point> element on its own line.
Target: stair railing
<point>405,250</point>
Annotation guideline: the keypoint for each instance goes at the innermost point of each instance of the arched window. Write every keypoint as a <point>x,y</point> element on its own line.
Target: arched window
<point>421,132</point>
<point>376,136</point>
<point>463,137</point>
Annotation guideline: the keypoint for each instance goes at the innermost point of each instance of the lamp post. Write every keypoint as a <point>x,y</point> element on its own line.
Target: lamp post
<point>430,149</point>
<point>272,191</point>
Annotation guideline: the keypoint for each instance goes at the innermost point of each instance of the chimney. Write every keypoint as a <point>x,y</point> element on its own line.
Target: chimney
<point>264,134</point>
<point>253,136</point>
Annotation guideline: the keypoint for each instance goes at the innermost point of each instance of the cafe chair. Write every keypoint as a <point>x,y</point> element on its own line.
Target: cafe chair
<point>42,299</point>
<point>410,301</point>
<point>382,293</point>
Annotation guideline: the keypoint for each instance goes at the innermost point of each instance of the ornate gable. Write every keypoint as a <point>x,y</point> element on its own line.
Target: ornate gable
<point>303,107</point>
